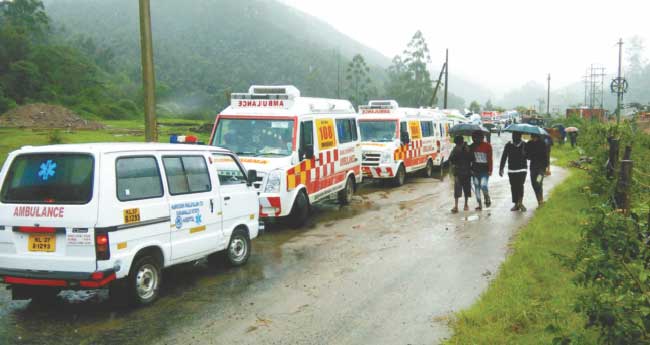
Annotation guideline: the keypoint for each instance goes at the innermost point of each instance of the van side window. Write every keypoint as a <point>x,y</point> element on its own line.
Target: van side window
<point>306,148</point>
<point>403,129</point>
<point>187,174</point>
<point>427,128</point>
<point>345,130</point>
<point>353,128</point>
<point>138,178</point>
<point>228,170</point>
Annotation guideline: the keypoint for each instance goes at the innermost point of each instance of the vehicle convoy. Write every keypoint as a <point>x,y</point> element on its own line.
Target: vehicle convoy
<point>86,216</point>
<point>304,149</point>
<point>397,140</point>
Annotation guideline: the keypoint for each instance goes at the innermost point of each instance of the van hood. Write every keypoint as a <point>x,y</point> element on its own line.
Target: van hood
<point>265,164</point>
<point>371,146</point>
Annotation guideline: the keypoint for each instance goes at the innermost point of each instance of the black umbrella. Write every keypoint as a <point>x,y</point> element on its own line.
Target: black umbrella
<point>467,129</point>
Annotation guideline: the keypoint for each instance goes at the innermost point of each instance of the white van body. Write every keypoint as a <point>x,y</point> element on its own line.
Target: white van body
<point>301,147</point>
<point>397,140</point>
<point>60,204</point>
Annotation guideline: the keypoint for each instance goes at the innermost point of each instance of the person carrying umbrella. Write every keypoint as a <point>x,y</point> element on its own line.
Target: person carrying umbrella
<point>573,135</point>
<point>537,154</point>
<point>514,154</point>
<point>481,168</point>
<point>461,160</point>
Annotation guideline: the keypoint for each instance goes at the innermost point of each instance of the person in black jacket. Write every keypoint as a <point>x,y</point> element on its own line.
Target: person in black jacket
<point>537,154</point>
<point>461,160</point>
<point>515,154</point>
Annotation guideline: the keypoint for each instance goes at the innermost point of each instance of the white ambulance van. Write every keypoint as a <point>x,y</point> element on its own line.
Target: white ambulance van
<point>397,141</point>
<point>303,149</point>
<point>86,216</point>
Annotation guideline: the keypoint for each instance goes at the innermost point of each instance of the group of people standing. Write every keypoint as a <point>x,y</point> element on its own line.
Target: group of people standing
<point>472,164</point>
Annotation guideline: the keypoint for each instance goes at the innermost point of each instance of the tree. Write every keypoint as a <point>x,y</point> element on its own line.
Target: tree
<point>409,81</point>
<point>488,106</point>
<point>416,59</point>
<point>474,107</point>
<point>359,83</point>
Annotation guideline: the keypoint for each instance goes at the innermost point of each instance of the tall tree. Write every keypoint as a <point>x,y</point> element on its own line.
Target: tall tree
<point>359,83</point>
<point>409,81</point>
<point>474,107</point>
<point>488,105</point>
<point>416,59</point>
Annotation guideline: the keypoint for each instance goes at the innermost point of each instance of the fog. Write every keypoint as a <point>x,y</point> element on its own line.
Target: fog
<point>501,44</point>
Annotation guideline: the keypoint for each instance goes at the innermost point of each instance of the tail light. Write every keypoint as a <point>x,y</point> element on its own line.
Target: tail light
<point>102,246</point>
<point>438,144</point>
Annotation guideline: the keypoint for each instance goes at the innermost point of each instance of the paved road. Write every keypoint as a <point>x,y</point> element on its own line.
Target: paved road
<point>388,269</point>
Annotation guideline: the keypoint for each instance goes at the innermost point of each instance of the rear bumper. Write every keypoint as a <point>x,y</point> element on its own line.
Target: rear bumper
<point>68,280</point>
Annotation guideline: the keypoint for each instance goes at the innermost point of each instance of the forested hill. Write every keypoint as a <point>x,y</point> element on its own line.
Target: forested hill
<point>207,48</point>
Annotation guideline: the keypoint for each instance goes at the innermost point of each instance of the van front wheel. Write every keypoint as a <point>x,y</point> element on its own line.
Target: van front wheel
<point>144,281</point>
<point>300,211</point>
<point>239,248</point>
<point>345,195</point>
<point>400,177</point>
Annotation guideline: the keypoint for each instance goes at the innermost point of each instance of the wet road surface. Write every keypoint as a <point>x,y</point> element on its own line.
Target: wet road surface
<point>388,269</point>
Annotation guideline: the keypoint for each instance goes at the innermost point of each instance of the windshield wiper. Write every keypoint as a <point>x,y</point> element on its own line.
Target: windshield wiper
<point>239,153</point>
<point>271,154</point>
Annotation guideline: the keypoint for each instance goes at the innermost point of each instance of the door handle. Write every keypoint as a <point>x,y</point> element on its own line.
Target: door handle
<point>226,198</point>
<point>211,206</point>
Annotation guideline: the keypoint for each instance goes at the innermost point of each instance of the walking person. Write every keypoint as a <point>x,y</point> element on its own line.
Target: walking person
<point>461,161</point>
<point>514,153</point>
<point>573,137</point>
<point>537,153</point>
<point>481,168</point>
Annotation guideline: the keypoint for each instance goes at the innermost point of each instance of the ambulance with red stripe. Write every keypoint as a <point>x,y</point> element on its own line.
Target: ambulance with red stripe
<point>304,149</point>
<point>397,141</point>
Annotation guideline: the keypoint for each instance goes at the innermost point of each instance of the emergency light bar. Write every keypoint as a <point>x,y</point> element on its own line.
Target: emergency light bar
<point>184,139</point>
<point>382,105</point>
<point>288,90</point>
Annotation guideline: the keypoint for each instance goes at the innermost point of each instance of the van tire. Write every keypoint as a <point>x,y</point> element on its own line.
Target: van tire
<point>144,281</point>
<point>345,195</point>
<point>400,176</point>
<point>239,248</point>
<point>300,211</point>
<point>428,170</point>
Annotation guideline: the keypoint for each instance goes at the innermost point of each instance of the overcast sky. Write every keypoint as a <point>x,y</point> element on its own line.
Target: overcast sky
<point>500,44</point>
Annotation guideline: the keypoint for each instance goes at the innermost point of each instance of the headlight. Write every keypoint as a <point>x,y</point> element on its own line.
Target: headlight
<point>273,182</point>
<point>386,157</point>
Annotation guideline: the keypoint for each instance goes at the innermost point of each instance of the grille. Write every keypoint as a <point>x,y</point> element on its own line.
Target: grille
<point>371,158</point>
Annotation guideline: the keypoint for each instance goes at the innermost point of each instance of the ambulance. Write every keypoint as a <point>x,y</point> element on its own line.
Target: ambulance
<point>89,216</point>
<point>304,150</point>
<point>397,141</point>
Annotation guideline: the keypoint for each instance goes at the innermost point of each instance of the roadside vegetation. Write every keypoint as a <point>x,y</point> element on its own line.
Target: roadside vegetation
<point>578,273</point>
<point>533,289</point>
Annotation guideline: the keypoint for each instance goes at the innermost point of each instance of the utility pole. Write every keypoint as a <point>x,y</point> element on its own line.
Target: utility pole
<point>446,75</point>
<point>148,76</point>
<point>338,74</point>
<point>548,95</point>
<point>619,91</point>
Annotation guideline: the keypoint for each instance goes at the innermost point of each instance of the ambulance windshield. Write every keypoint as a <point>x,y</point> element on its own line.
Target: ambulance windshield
<point>255,137</point>
<point>378,130</point>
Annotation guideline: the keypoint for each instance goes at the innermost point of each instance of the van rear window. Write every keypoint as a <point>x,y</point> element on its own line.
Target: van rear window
<point>50,178</point>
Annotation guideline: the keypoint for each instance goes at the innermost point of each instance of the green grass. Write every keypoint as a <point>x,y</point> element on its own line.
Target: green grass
<point>563,154</point>
<point>532,290</point>
<point>116,131</point>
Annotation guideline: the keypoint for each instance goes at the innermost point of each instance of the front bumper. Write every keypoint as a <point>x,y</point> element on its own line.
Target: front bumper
<point>378,172</point>
<point>64,280</point>
<point>270,206</point>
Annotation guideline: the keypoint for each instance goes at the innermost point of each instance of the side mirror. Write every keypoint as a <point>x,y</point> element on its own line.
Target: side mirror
<point>405,138</point>
<point>251,177</point>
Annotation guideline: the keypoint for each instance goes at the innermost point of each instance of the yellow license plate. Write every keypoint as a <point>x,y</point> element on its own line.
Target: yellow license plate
<point>42,243</point>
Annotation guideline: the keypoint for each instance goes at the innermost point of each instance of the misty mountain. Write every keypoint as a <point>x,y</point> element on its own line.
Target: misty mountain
<point>205,49</point>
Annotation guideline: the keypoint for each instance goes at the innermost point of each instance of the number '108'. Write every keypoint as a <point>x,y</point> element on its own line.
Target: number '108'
<point>326,133</point>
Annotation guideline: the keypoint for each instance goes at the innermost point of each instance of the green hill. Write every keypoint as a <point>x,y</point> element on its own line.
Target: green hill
<point>205,49</point>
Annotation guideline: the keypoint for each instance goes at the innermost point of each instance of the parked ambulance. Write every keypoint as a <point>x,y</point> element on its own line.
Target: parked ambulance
<point>397,140</point>
<point>87,216</point>
<point>304,149</point>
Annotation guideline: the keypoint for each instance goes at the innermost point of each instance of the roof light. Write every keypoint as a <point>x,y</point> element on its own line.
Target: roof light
<point>183,139</point>
<point>289,90</point>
